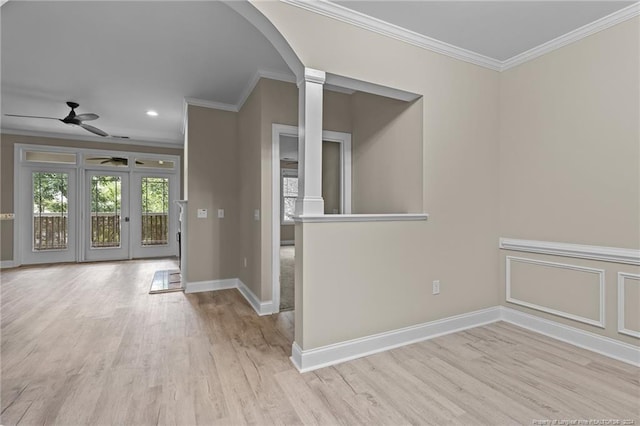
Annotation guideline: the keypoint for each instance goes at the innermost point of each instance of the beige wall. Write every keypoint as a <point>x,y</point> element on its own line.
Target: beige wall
<point>249,176</point>
<point>459,151</point>
<point>7,142</point>
<point>387,155</point>
<point>569,143</point>
<point>212,160</point>
<point>331,166</point>
<point>570,166</point>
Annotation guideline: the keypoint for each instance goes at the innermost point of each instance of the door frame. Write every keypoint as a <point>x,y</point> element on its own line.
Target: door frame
<point>20,162</point>
<point>278,130</point>
<point>125,211</point>
<point>23,200</point>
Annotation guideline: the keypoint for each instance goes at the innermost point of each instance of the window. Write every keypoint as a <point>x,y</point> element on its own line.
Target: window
<point>289,195</point>
<point>155,211</point>
<point>50,211</point>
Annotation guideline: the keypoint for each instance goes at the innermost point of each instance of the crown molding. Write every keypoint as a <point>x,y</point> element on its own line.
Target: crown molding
<point>210,104</point>
<point>135,142</point>
<point>341,13</point>
<point>603,23</point>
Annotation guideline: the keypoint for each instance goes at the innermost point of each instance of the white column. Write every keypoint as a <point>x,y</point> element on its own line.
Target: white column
<point>310,200</point>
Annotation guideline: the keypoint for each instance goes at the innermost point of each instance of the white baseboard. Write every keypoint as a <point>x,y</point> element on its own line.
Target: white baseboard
<point>312,359</point>
<point>594,342</point>
<point>5,264</point>
<point>261,308</point>
<point>212,285</point>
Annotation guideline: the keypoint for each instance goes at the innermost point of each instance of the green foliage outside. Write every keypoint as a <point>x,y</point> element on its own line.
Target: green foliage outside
<point>155,195</point>
<point>50,192</point>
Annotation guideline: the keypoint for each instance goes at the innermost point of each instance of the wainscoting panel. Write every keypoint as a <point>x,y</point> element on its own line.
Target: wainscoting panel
<point>569,291</point>
<point>629,304</point>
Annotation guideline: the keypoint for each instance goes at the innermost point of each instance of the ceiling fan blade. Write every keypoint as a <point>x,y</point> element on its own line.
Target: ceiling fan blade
<point>94,130</point>
<point>99,158</point>
<point>108,160</point>
<point>87,117</point>
<point>139,162</point>
<point>30,116</point>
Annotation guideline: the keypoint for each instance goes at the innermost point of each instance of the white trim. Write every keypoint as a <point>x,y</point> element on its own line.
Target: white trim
<point>573,36</point>
<point>261,308</point>
<point>6,264</point>
<point>211,285</point>
<point>211,104</point>
<point>312,359</point>
<point>384,28</point>
<point>277,130</point>
<point>341,13</point>
<point>594,342</point>
<point>362,218</point>
<point>600,322</point>
<point>607,254</point>
<point>621,327</point>
<point>352,85</point>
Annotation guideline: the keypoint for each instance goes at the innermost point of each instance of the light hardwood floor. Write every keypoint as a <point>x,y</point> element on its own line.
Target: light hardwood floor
<point>86,344</point>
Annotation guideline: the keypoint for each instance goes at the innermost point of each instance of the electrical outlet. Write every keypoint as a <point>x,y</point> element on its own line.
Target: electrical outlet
<point>244,262</point>
<point>436,287</point>
<point>202,213</point>
<point>256,214</point>
<point>220,213</point>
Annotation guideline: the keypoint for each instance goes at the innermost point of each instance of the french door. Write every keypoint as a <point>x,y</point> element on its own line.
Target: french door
<point>48,230</point>
<point>75,205</point>
<point>106,215</point>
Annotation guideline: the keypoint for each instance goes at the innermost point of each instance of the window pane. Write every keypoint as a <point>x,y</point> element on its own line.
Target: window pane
<point>50,211</point>
<point>154,164</point>
<point>50,157</point>
<point>106,193</point>
<point>290,186</point>
<point>100,160</point>
<point>289,208</point>
<point>155,211</point>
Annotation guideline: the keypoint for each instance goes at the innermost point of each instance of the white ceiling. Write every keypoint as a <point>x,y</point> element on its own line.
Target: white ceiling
<point>120,59</point>
<point>497,29</point>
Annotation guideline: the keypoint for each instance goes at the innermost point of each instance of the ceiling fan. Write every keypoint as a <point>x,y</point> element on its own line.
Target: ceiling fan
<point>114,160</point>
<point>72,119</point>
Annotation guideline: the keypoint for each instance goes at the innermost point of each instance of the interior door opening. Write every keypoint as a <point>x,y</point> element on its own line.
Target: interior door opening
<point>336,192</point>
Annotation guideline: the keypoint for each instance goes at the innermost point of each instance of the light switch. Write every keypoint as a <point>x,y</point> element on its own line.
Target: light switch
<point>202,213</point>
<point>220,213</point>
<point>256,214</point>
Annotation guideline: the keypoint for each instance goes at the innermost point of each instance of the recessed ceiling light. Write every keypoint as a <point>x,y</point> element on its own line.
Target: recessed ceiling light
<point>152,113</point>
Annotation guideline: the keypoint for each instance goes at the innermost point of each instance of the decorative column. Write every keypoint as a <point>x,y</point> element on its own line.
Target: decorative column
<point>310,202</point>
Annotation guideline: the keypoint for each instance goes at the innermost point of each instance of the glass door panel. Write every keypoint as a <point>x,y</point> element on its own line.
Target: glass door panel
<point>107,216</point>
<point>48,234</point>
<point>155,211</point>
<point>154,223</point>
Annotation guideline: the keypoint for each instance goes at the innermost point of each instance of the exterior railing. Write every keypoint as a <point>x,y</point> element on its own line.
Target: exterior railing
<point>50,230</point>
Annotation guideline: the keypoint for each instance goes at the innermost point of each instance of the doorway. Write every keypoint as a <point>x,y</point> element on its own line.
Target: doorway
<point>336,192</point>
<point>75,205</point>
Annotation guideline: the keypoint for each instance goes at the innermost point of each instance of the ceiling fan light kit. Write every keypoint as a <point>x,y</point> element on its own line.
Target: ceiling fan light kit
<point>73,119</point>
